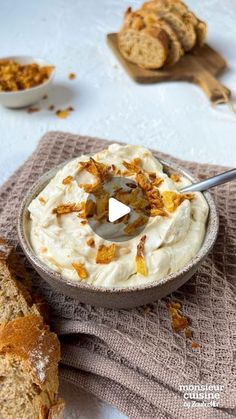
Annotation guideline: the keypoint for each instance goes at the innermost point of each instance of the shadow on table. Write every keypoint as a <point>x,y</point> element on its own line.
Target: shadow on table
<point>61,94</point>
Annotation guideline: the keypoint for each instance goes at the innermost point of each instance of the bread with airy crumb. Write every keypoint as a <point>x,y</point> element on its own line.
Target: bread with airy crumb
<point>143,45</point>
<point>29,356</point>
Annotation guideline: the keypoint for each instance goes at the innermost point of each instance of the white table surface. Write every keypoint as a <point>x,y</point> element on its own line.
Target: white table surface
<point>173,117</point>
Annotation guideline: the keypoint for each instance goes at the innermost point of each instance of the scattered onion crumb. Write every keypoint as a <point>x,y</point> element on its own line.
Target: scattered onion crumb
<point>42,200</point>
<point>32,109</point>
<point>179,322</point>
<point>195,345</point>
<point>51,107</point>
<point>90,242</point>
<point>67,180</point>
<point>175,177</point>
<point>71,76</point>
<point>64,113</point>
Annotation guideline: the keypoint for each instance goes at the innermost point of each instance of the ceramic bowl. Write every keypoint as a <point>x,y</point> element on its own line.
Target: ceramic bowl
<point>115,297</point>
<point>27,97</point>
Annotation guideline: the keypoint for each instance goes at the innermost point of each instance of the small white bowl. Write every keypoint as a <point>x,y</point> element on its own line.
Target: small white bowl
<point>23,98</point>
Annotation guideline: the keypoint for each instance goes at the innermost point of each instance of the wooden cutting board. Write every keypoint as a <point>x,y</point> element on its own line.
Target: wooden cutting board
<point>201,67</point>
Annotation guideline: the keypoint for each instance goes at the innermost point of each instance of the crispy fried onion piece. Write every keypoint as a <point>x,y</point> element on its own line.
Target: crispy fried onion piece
<point>175,177</point>
<point>88,187</point>
<point>149,184</point>
<point>42,200</point>
<point>172,200</point>
<point>143,182</point>
<point>88,209</point>
<point>139,222</point>
<point>66,208</point>
<point>106,254</point>
<point>141,266</point>
<point>178,320</point>
<point>80,269</point>
<point>133,167</point>
<point>155,212</point>
<point>67,180</point>
<point>133,198</point>
<point>90,242</point>
<point>99,170</point>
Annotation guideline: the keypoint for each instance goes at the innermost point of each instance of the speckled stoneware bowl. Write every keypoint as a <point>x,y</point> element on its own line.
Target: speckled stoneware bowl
<point>115,297</point>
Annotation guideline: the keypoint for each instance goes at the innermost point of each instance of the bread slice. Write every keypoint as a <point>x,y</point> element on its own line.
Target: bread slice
<point>175,49</point>
<point>15,298</point>
<point>147,47</point>
<point>183,28</point>
<point>174,12</point>
<point>29,356</point>
<point>179,8</point>
<point>202,32</point>
<point>200,27</point>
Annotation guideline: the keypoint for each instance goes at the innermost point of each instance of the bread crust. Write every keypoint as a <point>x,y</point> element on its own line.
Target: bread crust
<point>24,337</point>
<point>134,28</point>
<point>57,410</point>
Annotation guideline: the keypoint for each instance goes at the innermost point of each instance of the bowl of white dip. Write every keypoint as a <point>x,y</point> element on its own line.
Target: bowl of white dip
<point>59,242</point>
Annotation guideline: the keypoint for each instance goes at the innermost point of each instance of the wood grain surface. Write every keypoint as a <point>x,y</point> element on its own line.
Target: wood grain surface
<point>201,67</point>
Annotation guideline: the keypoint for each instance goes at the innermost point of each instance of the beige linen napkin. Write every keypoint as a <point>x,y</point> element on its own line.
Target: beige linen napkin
<point>132,358</point>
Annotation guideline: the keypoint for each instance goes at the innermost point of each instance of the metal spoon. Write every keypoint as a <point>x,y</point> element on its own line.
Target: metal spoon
<point>211,182</point>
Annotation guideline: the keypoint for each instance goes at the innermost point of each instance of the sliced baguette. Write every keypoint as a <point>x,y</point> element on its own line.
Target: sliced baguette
<point>178,7</point>
<point>199,26</point>
<point>184,30</point>
<point>150,18</point>
<point>175,50</point>
<point>29,356</point>
<point>174,12</point>
<point>147,47</point>
<point>201,31</point>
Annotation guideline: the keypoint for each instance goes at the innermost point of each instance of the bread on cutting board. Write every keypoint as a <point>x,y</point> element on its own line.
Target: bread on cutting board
<point>159,33</point>
<point>29,351</point>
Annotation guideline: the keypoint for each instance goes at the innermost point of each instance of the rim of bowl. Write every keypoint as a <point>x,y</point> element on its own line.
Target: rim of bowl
<point>36,60</point>
<point>208,242</point>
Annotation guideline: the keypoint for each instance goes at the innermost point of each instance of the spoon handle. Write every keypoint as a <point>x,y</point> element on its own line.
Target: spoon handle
<point>211,182</point>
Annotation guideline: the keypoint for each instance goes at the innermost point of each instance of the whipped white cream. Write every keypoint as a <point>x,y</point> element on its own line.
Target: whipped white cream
<point>59,241</point>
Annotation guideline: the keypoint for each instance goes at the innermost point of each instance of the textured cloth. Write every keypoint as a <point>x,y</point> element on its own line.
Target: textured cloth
<point>132,358</point>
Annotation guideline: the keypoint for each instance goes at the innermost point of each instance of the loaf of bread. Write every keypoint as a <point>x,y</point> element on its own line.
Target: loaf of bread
<point>159,33</point>
<point>29,352</point>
